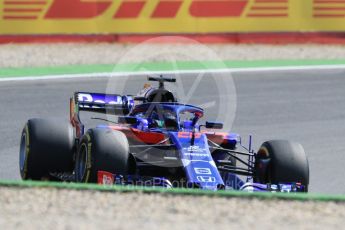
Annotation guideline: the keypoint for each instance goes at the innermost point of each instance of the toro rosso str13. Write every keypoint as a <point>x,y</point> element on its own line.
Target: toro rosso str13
<point>156,141</point>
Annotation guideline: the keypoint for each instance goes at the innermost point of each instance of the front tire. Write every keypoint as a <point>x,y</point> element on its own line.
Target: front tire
<point>281,161</point>
<point>101,150</point>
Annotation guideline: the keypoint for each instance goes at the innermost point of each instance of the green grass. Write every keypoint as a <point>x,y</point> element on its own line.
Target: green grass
<point>158,66</point>
<point>175,191</point>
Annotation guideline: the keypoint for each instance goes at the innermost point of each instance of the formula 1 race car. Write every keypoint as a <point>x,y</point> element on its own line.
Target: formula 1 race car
<point>156,141</point>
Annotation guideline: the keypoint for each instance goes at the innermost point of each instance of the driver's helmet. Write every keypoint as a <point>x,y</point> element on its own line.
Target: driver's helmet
<point>155,120</point>
<point>154,115</point>
<point>167,119</point>
<point>169,116</point>
<point>170,120</point>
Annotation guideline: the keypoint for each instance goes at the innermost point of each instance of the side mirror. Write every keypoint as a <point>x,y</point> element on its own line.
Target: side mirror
<point>213,125</point>
<point>127,120</point>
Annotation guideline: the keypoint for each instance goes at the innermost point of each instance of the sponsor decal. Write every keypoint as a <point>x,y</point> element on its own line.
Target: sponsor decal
<point>211,8</point>
<point>194,148</point>
<point>77,9</point>
<point>330,9</point>
<point>105,178</point>
<point>202,171</point>
<point>168,16</point>
<point>207,179</point>
<point>285,188</point>
<point>188,135</point>
<point>195,151</point>
<point>99,99</point>
<point>85,97</point>
<point>196,154</point>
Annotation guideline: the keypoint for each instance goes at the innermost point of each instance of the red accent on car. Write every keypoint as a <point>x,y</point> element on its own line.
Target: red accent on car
<point>140,136</point>
<point>105,178</point>
<point>188,135</point>
<point>216,137</point>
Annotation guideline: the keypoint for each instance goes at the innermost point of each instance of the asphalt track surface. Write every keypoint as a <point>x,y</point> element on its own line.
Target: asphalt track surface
<point>305,106</point>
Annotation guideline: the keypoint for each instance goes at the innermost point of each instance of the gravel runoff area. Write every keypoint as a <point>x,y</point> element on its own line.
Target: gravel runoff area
<point>42,208</point>
<point>24,55</point>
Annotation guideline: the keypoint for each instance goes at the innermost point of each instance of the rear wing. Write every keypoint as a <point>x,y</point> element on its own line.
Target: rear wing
<point>102,103</point>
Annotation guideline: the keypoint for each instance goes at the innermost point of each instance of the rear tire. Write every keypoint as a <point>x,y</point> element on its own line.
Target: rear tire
<point>46,146</point>
<point>281,161</point>
<point>101,150</point>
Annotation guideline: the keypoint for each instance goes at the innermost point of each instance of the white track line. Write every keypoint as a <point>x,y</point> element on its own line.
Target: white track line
<point>228,70</point>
